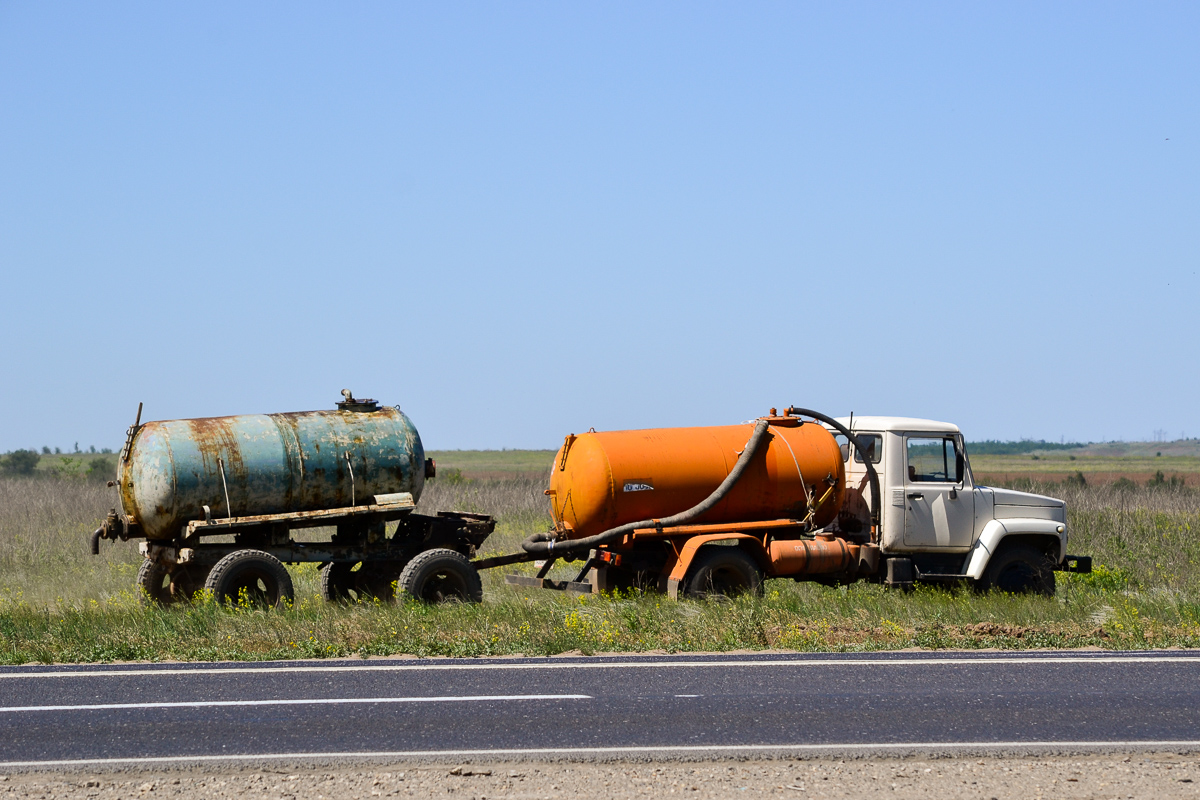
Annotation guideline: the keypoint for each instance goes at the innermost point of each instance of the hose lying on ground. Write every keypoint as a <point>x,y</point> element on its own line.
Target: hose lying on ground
<point>545,544</point>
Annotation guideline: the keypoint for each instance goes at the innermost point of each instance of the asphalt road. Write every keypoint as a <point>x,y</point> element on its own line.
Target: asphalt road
<point>647,706</point>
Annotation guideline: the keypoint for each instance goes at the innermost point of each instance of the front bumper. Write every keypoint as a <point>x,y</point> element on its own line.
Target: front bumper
<point>1075,564</point>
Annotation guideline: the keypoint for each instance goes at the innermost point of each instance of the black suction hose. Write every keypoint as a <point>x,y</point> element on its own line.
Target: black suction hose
<point>545,544</point>
<point>96,534</point>
<point>840,428</point>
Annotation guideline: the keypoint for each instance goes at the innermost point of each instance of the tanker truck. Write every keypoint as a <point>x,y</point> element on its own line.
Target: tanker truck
<point>714,511</point>
<point>694,512</point>
<point>217,502</point>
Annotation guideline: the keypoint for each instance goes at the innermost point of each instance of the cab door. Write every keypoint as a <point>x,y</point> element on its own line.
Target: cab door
<point>938,513</point>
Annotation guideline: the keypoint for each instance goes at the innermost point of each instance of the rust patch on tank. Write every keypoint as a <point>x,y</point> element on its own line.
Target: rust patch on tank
<point>215,439</point>
<point>289,435</point>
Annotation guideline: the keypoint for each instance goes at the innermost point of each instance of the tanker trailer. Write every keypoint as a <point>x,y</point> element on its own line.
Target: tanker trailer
<point>700,511</point>
<point>217,500</point>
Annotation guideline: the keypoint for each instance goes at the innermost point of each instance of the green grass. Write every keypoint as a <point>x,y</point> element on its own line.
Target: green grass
<point>59,603</point>
<point>80,465</point>
<point>790,616</point>
<point>490,463</point>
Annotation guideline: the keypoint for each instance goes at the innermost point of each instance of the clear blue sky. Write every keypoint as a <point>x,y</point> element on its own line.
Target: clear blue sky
<point>518,221</point>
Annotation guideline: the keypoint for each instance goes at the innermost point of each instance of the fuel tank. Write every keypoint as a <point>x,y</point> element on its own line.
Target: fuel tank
<point>820,555</point>
<point>602,480</point>
<point>268,463</point>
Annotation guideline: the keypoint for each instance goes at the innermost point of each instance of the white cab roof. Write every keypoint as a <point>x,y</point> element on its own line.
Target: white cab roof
<point>899,424</point>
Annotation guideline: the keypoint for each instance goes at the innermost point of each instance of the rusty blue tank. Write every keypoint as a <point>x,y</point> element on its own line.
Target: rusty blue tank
<point>266,464</point>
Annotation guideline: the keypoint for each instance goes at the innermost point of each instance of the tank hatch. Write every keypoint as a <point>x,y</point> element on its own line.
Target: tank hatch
<point>351,403</point>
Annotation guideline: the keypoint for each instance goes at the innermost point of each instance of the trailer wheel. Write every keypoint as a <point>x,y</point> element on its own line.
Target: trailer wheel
<point>186,580</point>
<point>342,583</point>
<point>252,577</point>
<point>164,587</point>
<point>1019,569</point>
<point>722,572</point>
<point>378,579</point>
<point>441,575</point>
<point>337,582</point>
<point>155,583</point>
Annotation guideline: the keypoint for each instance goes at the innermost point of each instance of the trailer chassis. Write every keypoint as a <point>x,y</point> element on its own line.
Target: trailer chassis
<point>175,568</point>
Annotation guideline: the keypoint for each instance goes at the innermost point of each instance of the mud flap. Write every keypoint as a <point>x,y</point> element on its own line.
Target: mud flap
<point>1075,564</point>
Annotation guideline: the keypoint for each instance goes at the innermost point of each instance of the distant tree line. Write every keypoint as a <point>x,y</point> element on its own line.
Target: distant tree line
<point>20,462</point>
<point>993,447</point>
<point>25,463</point>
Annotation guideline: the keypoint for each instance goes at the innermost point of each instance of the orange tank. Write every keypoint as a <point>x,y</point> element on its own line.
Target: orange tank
<point>602,480</point>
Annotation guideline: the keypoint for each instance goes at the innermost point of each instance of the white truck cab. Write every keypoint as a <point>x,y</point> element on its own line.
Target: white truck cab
<point>936,523</point>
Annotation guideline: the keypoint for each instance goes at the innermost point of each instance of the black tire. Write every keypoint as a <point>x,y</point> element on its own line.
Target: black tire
<point>186,580</point>
<point>722,571</point>
<point>342,583</point>
<point>163,587</point>
<point>155,583</point>
<point>1019,569</point>
<point>439,576</point>
<point>338,582</point>
<point>251,576</point>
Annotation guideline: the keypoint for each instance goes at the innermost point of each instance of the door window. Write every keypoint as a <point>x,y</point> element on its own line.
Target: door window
<point>933,461</point>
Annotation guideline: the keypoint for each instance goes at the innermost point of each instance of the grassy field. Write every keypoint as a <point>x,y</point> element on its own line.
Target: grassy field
<point>59,603</point>
<point>1096,469</point>
<point>493,464</point>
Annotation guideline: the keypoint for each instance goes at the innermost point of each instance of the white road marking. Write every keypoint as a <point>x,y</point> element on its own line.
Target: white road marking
<point>484,698</point>
<point>795,662</point>
<point>617,751</point>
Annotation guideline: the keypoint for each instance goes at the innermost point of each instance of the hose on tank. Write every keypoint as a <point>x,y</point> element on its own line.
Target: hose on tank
<point>840,428</point>
<point>545,543</point>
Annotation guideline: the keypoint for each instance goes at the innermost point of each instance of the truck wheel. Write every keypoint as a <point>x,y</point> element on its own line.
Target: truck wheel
<point>253,577</point>
<point>1019,569</point>
<point>722,572</point>
<point>163,587</point>
<point>441,575</point>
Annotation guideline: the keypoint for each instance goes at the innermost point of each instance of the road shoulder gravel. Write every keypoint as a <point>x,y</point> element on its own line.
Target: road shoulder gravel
<point>1158,775</point>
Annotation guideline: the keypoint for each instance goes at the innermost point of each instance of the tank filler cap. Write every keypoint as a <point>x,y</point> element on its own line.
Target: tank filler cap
<point>359,404</point>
